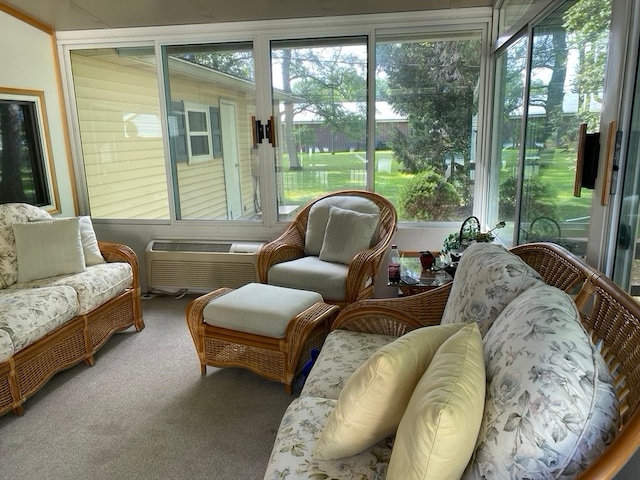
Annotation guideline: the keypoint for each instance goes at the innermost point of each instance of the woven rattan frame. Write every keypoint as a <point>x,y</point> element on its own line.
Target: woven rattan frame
<point>75,341</point>
<point>279,359</point>
<point>610,316</point>
<point>364,266</point>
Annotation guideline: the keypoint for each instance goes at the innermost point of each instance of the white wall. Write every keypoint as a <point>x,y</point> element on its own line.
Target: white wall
<point>27,59</point>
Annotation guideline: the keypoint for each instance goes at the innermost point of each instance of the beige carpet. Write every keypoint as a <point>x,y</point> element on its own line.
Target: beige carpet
<point>145,412</point>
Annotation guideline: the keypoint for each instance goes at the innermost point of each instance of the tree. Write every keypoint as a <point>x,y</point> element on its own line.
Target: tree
<point>11,186</point>
<point>589,22</point>
<point>433,84</point>
<point>323,81</point>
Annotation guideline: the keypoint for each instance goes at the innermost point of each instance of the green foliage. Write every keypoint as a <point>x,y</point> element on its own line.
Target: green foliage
<point>428,197</point>
<point>432,84</point>
<point>538,199</point>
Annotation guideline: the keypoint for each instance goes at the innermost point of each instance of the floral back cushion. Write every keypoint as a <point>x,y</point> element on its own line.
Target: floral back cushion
<point>550,406</point>
<point>9,213</point>
<point>488,278</point>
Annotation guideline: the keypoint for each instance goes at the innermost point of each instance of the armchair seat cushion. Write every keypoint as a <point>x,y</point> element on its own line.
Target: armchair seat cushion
<point>310,273</point>
<point>95,286</point>
<point>29,314</point>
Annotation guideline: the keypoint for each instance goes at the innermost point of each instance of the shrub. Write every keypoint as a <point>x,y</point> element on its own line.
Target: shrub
<point>428,197</point>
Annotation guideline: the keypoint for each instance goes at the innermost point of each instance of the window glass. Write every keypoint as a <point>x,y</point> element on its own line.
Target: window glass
<point>426,117</point>
<point>24,176</point>
<point>118,108</point>
<point>507,137</point>
<point>320,110</point>
<point>211,99</point>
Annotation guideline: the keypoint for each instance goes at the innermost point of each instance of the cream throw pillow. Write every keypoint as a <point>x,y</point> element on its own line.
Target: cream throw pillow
<point>439,428</point>
<point>48,248</point>
<point>92,254</point>
<point>376,395</point>
<point>348,232</point>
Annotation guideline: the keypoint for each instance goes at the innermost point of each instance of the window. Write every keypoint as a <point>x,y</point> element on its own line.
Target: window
<point>199,133</point>
<point>25,174</point>
<point>426,123</point>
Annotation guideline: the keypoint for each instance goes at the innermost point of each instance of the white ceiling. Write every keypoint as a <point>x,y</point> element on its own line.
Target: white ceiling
<point>100,14</point>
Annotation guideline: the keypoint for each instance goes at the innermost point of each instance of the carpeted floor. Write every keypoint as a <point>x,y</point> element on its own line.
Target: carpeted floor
<point>145,412</point>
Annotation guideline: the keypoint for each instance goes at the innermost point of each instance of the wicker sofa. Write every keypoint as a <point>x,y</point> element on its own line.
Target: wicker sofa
<point>51,322</point>
<point>558,370</point>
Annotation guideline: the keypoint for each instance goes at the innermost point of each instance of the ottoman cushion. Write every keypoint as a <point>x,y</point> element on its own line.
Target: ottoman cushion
<point>259,309</point>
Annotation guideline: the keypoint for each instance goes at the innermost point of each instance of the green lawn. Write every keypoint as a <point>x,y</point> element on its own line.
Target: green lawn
<point>324,172</point>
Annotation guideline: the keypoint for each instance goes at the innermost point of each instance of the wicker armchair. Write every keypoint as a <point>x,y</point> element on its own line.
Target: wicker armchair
<point>610,316</point>
<point>362,269</point>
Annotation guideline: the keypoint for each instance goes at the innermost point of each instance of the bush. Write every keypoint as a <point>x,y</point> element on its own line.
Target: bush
<point>428,197</point>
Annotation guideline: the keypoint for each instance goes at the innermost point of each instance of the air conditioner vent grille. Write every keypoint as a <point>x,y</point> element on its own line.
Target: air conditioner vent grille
<point>191,247</point>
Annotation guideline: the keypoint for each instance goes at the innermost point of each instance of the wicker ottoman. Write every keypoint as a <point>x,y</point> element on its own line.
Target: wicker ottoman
<point>267,329</point>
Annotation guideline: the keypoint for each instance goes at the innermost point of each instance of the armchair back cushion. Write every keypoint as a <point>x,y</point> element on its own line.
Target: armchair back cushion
<point>488,278</point>
<point>319,217</point>
<point>348,232</point>
<point>551,407</point>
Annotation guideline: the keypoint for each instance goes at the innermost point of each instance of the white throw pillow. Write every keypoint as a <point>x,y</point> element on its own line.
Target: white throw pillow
<point>92,255</point>
<point>376,395</point>
<point>48,248</point>
<point>438,430</point>
<point>348,232</point>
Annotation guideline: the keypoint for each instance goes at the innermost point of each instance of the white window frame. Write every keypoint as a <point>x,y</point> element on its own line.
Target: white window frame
<point>204,109</point>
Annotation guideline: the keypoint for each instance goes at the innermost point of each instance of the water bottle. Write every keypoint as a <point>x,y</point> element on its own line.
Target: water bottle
<point>394,265</point>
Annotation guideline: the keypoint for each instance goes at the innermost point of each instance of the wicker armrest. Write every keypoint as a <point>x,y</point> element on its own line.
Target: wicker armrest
<point>379,319</point>
<point>395,316</point>
<point>276,252</point>
<point>118,252</point>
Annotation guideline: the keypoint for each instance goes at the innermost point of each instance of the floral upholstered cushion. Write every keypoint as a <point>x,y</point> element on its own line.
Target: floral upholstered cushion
<point>10,213</point>
<point>95,286</point>
<point>342,353</point>
<point>487,280</point>
<point>291,456</point>
<point>27,315</point>
<point>6,346</point>
<point>550,407</point>
<point>376,395</point>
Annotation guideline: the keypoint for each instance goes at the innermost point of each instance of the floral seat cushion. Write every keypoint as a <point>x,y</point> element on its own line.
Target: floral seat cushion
<point>301,425</point>
<point>28,315</point>
<point>95,286</point>
<point>550,406</point>
<point>342,353</point>
<point>486,281</point>
<point>6,346</point>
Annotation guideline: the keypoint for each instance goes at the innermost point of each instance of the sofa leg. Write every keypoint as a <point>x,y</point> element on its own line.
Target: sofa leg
<point>18,410</point>
<point>288,388</point>
<point>203,369</point>
<point>90,361</point>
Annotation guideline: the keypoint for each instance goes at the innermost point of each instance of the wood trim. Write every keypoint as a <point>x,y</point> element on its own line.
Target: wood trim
<point>34,22</point>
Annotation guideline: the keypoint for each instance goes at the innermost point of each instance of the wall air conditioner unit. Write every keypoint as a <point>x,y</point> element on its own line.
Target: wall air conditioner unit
<point>199,266</point>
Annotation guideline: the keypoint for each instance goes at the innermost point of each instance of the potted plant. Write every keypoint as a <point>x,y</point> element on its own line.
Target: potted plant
<point>470,232</point>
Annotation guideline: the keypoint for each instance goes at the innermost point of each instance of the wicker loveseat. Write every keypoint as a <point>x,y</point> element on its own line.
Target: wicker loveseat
<point>49,323</point>
<point>560,378</point>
